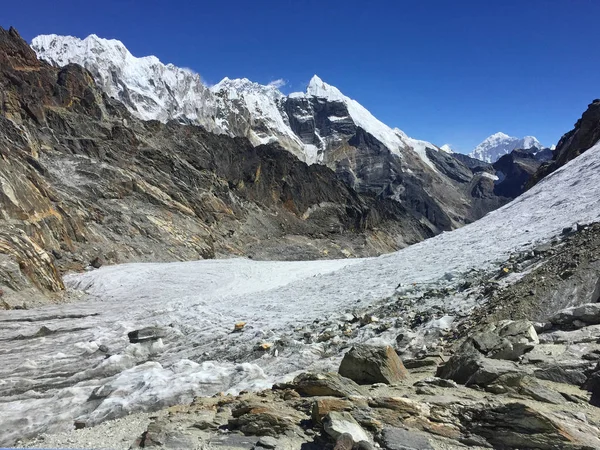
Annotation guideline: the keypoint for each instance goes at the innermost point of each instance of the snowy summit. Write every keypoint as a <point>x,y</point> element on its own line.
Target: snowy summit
<point>499,144</point>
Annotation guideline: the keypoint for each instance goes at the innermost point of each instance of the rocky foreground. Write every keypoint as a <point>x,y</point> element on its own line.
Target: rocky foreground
<point>507,386</point>
<point>518,371</point>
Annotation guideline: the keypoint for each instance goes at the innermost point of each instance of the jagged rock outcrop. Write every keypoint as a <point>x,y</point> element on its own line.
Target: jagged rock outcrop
<point>515,169</point>
<point>584,135</point>
<point>87,182</point>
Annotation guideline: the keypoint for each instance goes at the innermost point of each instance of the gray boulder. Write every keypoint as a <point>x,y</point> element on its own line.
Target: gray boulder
<point>392,438</point>
<point>146,334</point>
<point>588,314</point>
<point>469,367</point>
<point>337,424</point>
<point>527,386</point>
<point>506,339</point>
<point>324,385</point>
<point>369,365</point>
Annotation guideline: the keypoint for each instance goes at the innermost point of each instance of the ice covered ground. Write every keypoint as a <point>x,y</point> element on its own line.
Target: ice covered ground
<point>54,367</point>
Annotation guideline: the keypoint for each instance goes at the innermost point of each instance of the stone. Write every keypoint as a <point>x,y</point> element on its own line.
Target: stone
<point>469,367</point>
<point>588,313</point>
<point>264,420</point>
<point>337,423</point>
<point>560,374</point>
<point>527,386</point>
<point>403,439</point>
<point>506,339</point>
<point>267,442</point>
<point>402,407</point>
<point>592,384</point>
<point>344,442</point>
<point>435,381</point>
<point>366,364</point>
<point>516,425</point>
<point>323,406</point>
<point>146,334</point>
<point>97,262</point>
<point>428,360</point>
<point>265,346</point>
<point>324,385</point>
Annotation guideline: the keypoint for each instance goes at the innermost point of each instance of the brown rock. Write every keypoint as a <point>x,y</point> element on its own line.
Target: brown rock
<point>323,406</point>
<point>324,385</point>
<point>369,365</point>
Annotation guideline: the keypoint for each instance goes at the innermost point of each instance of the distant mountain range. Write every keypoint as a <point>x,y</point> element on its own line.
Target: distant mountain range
<point>500,144</point>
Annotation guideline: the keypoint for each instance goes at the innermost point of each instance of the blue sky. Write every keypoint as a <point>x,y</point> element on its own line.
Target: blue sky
<point>445,71</point>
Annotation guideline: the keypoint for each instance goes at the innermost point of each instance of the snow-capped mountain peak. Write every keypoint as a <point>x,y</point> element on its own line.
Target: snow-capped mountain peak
<point>238,107</point>
<point>394,139</point>
<point>149,88</point>
<point>318,88</point>
<point>499,144</point>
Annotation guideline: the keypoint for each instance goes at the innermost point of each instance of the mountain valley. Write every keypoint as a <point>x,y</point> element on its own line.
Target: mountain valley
<point>193,266</point>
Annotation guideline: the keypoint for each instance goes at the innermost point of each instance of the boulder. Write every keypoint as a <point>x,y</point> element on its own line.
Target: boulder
<point>344,442</point>
<point>469,367</point>
<point>559,373</point>
<point>336,424</point>
<point>506,339</point>
<point>592,384</point>
<point>516,425</point>
<point>589,314</point>
<point>324,385</point>
<point>264,420</point>
<point>527,386</point>
<point>323,406</point>
<point>367,364</point>
<point>392,438</point>
<point>267,442</point>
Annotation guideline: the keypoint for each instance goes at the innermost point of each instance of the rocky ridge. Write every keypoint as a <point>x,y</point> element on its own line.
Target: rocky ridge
<point>585,133</point>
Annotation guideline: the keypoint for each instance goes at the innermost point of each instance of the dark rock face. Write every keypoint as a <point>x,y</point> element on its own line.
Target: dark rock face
<point>583,136</point>
<point>476,165</point>
<point>82,181</point>
<point>514,171</point>
<point>440,196</point>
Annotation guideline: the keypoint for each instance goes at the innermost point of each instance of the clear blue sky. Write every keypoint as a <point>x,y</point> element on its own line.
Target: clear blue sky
<point>445,71</point>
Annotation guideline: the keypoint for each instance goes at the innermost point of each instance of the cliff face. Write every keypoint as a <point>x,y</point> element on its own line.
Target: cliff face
<point>582,137</point>
<point>83,182</point>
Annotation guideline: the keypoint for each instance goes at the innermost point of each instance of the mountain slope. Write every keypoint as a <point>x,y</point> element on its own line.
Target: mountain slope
<point>499,144</point>
<point>320,125</point>
<point>583,136</point>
